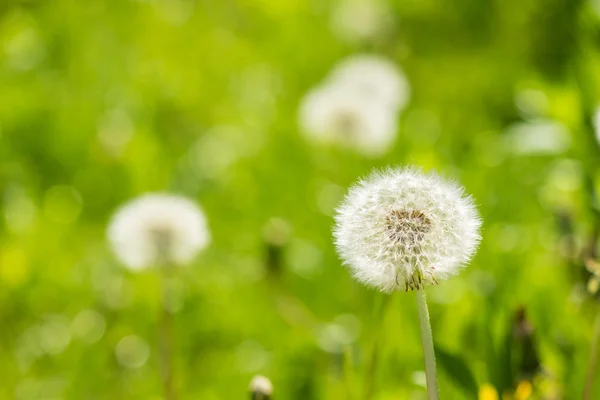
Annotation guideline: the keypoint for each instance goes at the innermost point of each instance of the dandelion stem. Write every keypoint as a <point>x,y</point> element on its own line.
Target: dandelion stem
<point>593,363</point>
<point>165,340</point>
<point>427,339</point>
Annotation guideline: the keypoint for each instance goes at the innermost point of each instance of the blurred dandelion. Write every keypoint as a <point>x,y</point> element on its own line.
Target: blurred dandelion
<point>337,115</point>
<point>357,106</point>
<point>260,388</point>
<point>158,229</point>
<point>402,229</point>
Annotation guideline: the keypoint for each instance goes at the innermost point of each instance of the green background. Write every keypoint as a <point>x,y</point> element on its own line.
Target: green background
<point>101,101</point>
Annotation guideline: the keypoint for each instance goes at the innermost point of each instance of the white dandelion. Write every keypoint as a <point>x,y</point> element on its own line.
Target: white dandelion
<point>402,229</point>
<point>374,78</point>
<point>158,228</point>
<point>260,388</point>
<point>357,107</point>
<point>335,115</point>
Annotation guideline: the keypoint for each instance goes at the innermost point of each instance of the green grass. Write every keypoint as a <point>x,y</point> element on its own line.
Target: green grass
<point>169,73</point>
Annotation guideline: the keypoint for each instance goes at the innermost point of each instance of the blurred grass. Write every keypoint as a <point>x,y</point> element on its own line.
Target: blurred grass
<point>104,100</point>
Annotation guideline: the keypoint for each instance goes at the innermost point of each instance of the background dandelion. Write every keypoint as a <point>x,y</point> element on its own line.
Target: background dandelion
<point>158,229</point>
<point>337,115</point>
<point>357,107</point>
<point>161,231</point>
<point>260,388</point>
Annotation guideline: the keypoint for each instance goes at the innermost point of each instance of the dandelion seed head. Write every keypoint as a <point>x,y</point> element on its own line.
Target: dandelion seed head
<point>261,386</point>
<point>402,229</point>
<point>158,228</point>
<point>334,115</point>
<point>357,106</point>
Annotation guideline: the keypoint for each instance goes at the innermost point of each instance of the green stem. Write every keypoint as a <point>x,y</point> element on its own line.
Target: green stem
<point>593,363</point>
<point>427,339</point>
<point>165,340</point>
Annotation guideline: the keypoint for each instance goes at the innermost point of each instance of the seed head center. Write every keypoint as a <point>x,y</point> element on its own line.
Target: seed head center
<point>407,225</point>
<point>163,240</point>
<point>346,124</point>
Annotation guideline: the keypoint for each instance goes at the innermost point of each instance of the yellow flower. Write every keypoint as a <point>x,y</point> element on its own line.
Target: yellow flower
<point>487,392</point>
<point>524,390</point>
